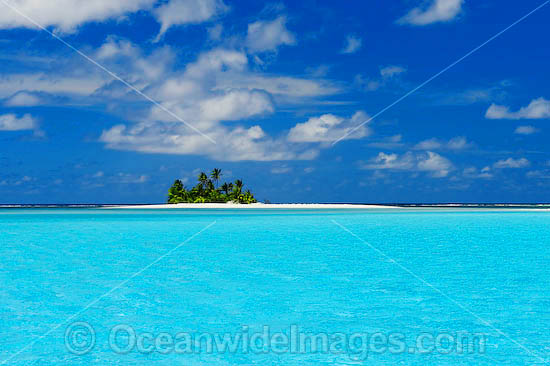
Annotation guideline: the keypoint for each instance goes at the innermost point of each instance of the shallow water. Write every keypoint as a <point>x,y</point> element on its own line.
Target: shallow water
<point>378,287</point>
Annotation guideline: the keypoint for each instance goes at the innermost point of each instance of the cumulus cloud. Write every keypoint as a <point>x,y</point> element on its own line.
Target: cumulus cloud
<point>436,165</point>
<point>218,93</point>
<point>387,74</point>
<point>431,144</point>
<point>512,163</point>
<point>23,99</point>
<point>391,71</point>
<point>391,161</point>
<point>236,105</point>
<point>11,122</point>
<point>526,130</point>
<point>353,44</point>
<point>180,12</point>
<point>329,128</point>
<point>537,109</point>
<point>456,143</point>
<point>67,15</point>
<point>474,173</point>
<point>265,36</point>
<point>238,144</point>
<point>436,11</point>
<point>138,67</point>
<point>197,96</point>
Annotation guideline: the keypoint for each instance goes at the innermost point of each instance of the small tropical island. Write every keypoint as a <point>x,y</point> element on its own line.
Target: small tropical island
<point>208,190</point>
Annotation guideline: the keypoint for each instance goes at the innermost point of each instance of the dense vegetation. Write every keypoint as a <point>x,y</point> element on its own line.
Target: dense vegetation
<point>208,190</point>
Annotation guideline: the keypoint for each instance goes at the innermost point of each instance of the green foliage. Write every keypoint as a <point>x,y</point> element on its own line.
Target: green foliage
<point>206,191</point>
<point>215,175</point>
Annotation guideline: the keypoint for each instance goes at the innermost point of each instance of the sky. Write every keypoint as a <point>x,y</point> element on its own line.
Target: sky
<point>106,101</point>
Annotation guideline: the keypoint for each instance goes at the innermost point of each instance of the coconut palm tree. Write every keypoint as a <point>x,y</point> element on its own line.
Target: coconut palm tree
<point>210,186</point>
<point>238,188</point>
<point>216,174</point>
<point>176,192</point>
<point>225,188</point>
<point>203,179</point>
<point>205,191</point>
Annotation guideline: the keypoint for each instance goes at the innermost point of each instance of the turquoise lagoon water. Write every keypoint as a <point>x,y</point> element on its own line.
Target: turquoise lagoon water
<point>113,287</point>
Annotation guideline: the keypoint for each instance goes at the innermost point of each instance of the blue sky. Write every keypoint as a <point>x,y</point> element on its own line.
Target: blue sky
<point>270,86</point>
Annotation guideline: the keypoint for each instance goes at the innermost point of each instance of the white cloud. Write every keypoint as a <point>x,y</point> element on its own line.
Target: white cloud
<point>395,138</point>
<point>390,142</point>
<point>391,71</point>
<point>288,89</point>
<point>215,32</point>
<point>436,11</point>
<point>430,162</point>
<point>474,173</point>
<point>49,83</point>
<point>483,94</point>
<point>179,12</point>
<point>10,122</point>
<point>137,67</point>
<point>281,169</point>
<point>265,36</point>
<point>236,105</point>
<point>456,143</point>
<point>431,144</point>
<point>367,84</point>
<point>526,130</point>
<point>328,128</point>
<point>217,87</point>
<point>318,71</point>
<point>67,15</point>
<point>537,109</point>
<point>197,96</point>
<point>436,164</point>
<point>387,74</point>
<point>512,163</point>
<point>353,44</point>
<point>126,178</point>
<point>238,144</point>
<point>391,161</point>
<point>23,99</point>
<point>155,72</point>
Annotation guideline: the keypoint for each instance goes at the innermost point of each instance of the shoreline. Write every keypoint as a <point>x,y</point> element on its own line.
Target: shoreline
<point>255,206</point>
<point>331,206</point>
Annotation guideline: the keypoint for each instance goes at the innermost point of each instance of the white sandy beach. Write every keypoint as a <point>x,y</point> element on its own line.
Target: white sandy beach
<point>259,206</point>
<point>329,206</point>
